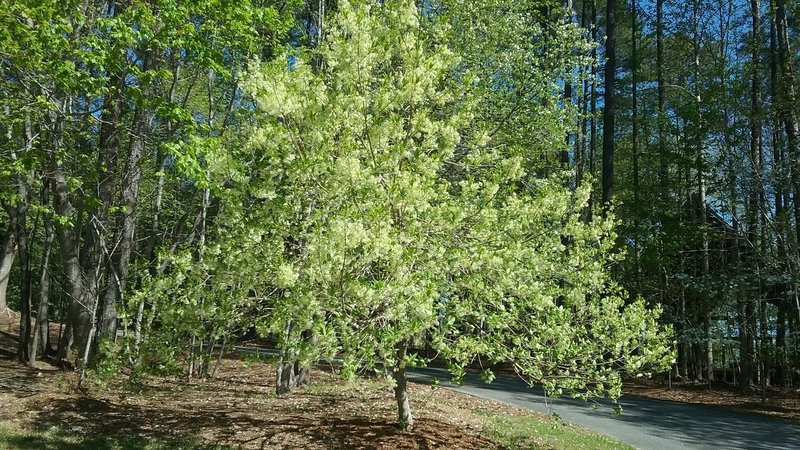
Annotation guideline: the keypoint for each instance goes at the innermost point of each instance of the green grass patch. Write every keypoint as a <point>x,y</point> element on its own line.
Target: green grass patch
<point>63,439</point>
<point>525,432</point>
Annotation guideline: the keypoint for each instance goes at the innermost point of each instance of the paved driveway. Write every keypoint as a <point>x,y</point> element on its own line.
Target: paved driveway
<point>644,423</point>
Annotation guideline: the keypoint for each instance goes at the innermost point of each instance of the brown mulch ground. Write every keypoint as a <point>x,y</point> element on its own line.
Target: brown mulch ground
<point>779,402</point>
<point>239,408</point>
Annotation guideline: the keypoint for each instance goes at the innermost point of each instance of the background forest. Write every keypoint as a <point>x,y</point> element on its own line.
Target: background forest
<point>585,190</point>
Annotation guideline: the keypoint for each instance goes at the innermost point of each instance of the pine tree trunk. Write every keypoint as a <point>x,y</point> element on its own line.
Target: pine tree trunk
<point>746,309</point>
<point>608,108</point>
<point>777,141</point>
<point>787,106</point>
<point>663,172</point>
<point>583,108</point>
<point>593,118</point>
<point>635,148</point>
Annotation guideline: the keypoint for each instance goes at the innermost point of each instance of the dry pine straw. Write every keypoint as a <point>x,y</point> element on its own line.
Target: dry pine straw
<point>240,409</point>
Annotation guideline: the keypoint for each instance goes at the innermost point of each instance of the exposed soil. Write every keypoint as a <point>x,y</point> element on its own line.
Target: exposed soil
<point>779,402</point>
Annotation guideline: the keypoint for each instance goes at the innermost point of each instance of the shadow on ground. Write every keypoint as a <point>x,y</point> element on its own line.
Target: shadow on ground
<point>235,422</point>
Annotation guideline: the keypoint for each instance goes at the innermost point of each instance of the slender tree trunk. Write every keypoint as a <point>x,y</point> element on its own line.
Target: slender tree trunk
<point>567,92</point>
<point>580,143</point>
<point>593,118</point>
<point>6,263</point>
<point>701,185</point>
<point>780,346</point>
<point>10,242</point>
<point>763,344</point>
<point>608,108</point>
<point>401,394</point>
<point>747,328</point>
<point>788,105</point>
<point>21,230</point>
<point>635,146</point>
<point>41,333</point>
<point>663,172</point>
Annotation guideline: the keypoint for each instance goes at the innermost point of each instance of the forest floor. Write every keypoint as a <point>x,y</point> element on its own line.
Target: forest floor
<point>779,402</point>
<point>41,407</point>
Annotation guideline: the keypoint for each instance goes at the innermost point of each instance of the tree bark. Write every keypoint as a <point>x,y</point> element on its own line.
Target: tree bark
<point>580,143</point>
<point>663,172</point>
<point>6,263</point>
<point>754,208</point>
<point>118,270</point>
<point>777,141</point>
<point>41,332</point>
<point>401,395</point>
<point>20,224</point>
<point>787,104</point>
<point>68,239</point>
<point>285,375</point>
<point>634,144</point>
<point>608,108</point>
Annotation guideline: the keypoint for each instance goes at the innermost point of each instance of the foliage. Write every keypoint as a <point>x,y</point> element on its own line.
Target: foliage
<point>385,214</point>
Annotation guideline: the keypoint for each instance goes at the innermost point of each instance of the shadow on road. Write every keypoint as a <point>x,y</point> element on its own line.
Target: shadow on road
<point>644,423</point>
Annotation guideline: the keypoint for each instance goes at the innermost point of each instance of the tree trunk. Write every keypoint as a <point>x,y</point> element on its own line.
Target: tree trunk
<point>41,332</point>
<point>663,170</point>
<point>745,343</point>
<point>285,375</point>
<point>757,195</point>
<point>20,224</point>
<point>635,149</point>
<point>581,142</point>
<point>401,395</point>
<point>97,253</point>
<point>68,237</point>
<point>777,141</point>
<point>118,270</point>
<point>6,263</point>
<point>700,164</point>
<point>303,372</point>
<point>787,104</point>
<point>10,243</point>
<point>608,108</point>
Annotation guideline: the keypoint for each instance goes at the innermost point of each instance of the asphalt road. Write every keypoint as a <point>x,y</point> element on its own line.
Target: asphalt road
<point>644,423</point>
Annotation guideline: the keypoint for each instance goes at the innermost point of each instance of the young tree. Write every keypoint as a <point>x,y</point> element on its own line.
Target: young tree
<point>391,211</point>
